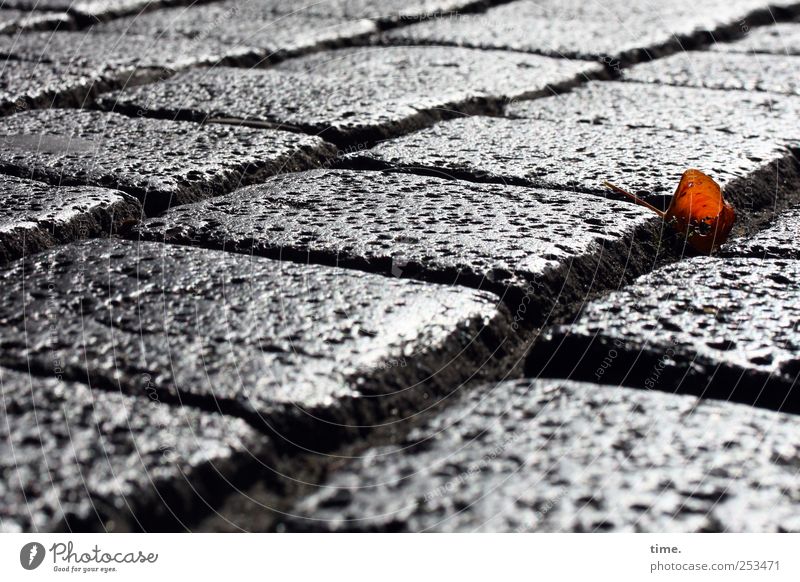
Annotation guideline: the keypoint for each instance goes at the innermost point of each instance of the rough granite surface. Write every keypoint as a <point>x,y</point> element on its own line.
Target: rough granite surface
<point>76,457</point>
<point>160,162</point>
<point>35,216</point>
<point>357,94</point>
<point>556,456</point>
<point>719,328</point>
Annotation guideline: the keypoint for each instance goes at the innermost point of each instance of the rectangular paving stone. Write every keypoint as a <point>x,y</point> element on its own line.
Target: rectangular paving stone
<point>160,162</point>
<point>65,69</point>
<point>720,70</point>
<point>18,20</point>
<point>311,355</point>
<point>357,94</point>
<point>744,114</point>
<point>35,216</point>
<point>109,53</point>
<point>29,85</point>
<point>754,173</point>
<point>559,456</point>
<point>718,328</point>
<point>254,31</point>
<point>779,39</point>
<point>73,457</point>
<point>777,241</point>
<point>612,31</point>
<point>540,250</point>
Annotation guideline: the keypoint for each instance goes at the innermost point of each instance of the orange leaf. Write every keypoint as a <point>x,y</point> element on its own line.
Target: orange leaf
<point>697,211</point>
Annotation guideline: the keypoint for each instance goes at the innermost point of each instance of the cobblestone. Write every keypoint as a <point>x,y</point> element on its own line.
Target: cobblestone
<point>692,110</point>
<point>74,457</point>
<point>254,32</point>
<point>541,250</point>
<point>541,154</point>
<point>161,163</point>
<point>35,216</point>
<point>615,32</point>
<point>357,94</point>
<point>320,354</point>
<point>555,456</point>
<point>718,328</point>
<point>778,241</point>
<point>721,70</point>
<point>778,39</point>
<point>17,20</point>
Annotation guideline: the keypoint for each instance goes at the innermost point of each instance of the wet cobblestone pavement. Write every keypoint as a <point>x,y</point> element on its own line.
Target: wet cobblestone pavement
<point>351,266</point>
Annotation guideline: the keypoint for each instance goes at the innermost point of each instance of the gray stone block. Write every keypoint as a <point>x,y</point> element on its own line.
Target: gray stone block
<point>357,94</point>
<point>559,456</point>
<point>35,216</point>
<point>754,173</point>
<point>73,457</point>
<point>721,70</point>
<point>717,328</point>
<point>540,250</point>
<point>743,114</point>
<point>615,32</point>
<point>778,241</point>
<point>161,163</point>
<point>311,355</point>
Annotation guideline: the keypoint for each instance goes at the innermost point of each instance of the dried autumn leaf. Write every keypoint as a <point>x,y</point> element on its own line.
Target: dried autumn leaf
<point>697,211</point>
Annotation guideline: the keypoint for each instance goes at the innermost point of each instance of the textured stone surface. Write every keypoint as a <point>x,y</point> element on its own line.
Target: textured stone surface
<point>720,328</point>
<point>542,153</point>
<point>614,30</point>
<point>357,93</point>
<point>159,162</point>
<point>114,55</point>
<point>249,28</point>
<point>742,113</point>
<point>16,20</point>
<point>35,216</point>
<point>721,70</point>
<point>71,456</point>
<point>311,354</point>
<point>66,69</point>
<point>30,85</point>
<point>778,39</point>
<point>92,10</point>
<point>541,250</point>
<point>555,456</point>
<point>778,241</point>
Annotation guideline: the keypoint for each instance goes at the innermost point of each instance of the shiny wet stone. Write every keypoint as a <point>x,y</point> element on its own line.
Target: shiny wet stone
<point>754,173</point>
<point>93,10</point>
<point>114,53</point>
<point>253,32</point>
<point>311,355</point>
<point>718,328</point>
<point>721,70</point>
<point>160,162</point>
<point>357,94</point>
<point>29,85</point>
<point>743,114</point>
<point>74,457</point>
<point>779,240</point>
<point>540,250</point>
<point>614,32</point>
<point>560,456</point>
<point>35,216</point>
